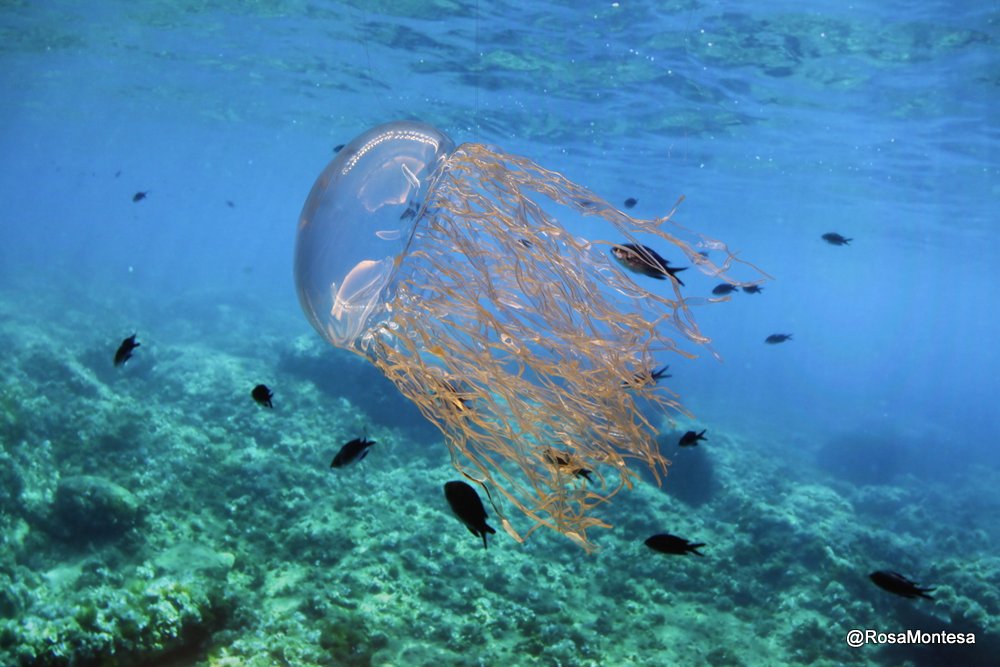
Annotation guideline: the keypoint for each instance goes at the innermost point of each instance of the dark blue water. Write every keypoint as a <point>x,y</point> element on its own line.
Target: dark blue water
<point>875,120</point>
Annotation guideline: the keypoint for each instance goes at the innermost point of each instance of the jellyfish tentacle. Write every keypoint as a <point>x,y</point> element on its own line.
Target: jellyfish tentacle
<point>479,295</point>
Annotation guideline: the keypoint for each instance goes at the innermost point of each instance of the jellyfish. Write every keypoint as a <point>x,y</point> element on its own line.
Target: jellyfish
<point>483,286</point>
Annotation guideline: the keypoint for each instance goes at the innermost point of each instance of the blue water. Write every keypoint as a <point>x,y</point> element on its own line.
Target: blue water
<point>777,124</point>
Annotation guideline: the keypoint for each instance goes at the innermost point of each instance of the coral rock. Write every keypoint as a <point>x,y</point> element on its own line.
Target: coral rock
<point>89,507</point>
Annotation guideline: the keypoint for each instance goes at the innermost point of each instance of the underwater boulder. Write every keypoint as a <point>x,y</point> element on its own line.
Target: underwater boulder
<point>89,507</point>
<point>11,483</point>
<point>346,376</point>
<point>188,559</point>
<point>692,478</point>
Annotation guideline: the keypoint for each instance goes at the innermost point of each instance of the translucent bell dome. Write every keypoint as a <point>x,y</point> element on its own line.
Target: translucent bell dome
<point>357,223</point>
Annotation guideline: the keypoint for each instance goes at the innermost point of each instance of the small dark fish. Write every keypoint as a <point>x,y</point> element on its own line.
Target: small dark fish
<point>671,544</point>
<point>833,238</point>
<point>660,373</point>
<point>408,213</point>
<point>449,393</point>
<point>753,289</point>
<point>652,377</point>
<point>338,148</point>
<point>262,395</point>
<point>774,339</point>
<point>468,507</point>
<point>631,202</point>
<point>230,204</point>
<point>691,438</point>
<point>124,351</point>
<point>724,288</point>
<point>118,173</point>
<point>643,259</point>
<point>355,450</point>
<point>897,584</point>
<point>565,460</point>
<point>139,196</point>
<point>525,243</point>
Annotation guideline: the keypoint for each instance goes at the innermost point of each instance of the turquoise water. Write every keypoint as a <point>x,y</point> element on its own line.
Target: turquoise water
<point>153,514</point>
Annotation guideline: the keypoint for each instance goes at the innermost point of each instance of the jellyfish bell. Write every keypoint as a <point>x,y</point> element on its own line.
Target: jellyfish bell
<point>459,272</point>
<point>357,223</point>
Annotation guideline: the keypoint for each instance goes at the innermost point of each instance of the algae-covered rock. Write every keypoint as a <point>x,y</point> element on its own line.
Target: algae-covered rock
<point>88,507</point>
<point>189,558</point>
<point>11,483</point>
